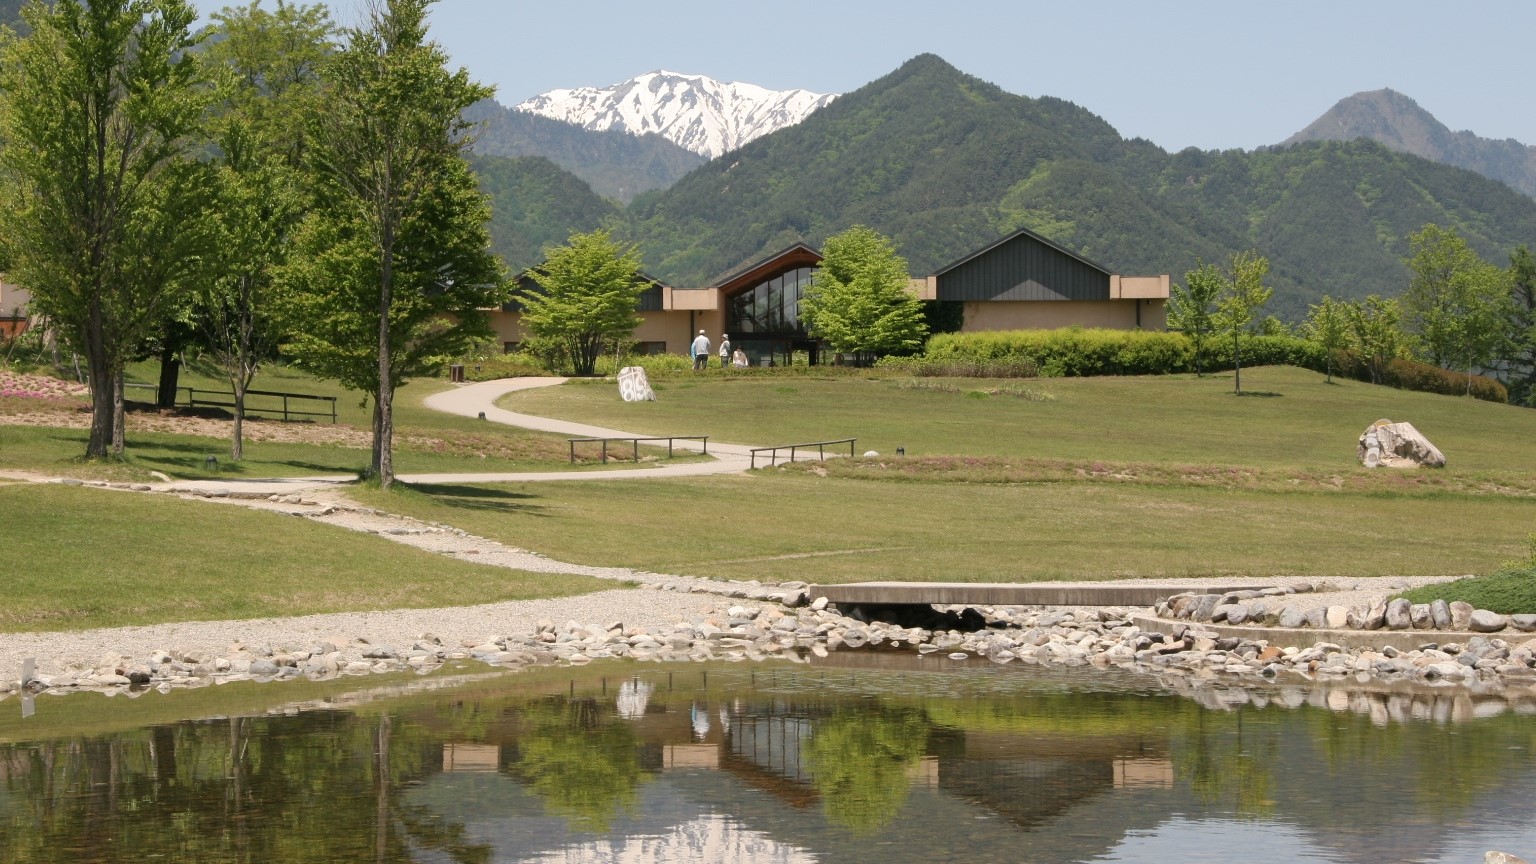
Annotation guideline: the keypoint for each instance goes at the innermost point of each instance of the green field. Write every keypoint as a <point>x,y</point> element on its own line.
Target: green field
<point>1287,418</point>
<point>77,558</point>
<point>1103,478</point>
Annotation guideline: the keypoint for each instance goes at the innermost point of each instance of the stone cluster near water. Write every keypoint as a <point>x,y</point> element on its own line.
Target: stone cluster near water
<point>1101,637</point>
<point>1269,608</point>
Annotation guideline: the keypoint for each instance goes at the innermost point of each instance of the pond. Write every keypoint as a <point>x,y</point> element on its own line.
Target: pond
<point>839,761</point>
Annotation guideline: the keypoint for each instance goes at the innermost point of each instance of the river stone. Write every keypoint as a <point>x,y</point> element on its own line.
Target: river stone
<point>1497,857</point>
<point>1222,610</point>
<point>1376,617</point>
<point>1445,669</point>
<point>1203,606</point>
<point>1237,613</point>
<point>1523,623</point>
<point>1461,615</point>
<point>1336,617</point>
<point>1484,621</point>
<point>1317,619</point>
<point>1292,617</point>
<point>1440,614</point>
<point>1398,615</point>
<point>263,668</point>
<point>1418,613</point>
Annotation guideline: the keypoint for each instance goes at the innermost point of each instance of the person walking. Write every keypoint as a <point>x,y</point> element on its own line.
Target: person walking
<point>725,350</point>
<point>700,351</point>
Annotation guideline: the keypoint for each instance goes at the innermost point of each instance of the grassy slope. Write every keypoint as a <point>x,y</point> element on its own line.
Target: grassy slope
<point>796,524</point>
<point>78,558</point>
<point>1300,422</point>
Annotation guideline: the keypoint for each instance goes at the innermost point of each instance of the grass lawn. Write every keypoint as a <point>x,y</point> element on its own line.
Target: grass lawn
<point>1290,418</point>
<point>778,525</point>
<point>426,441</point>
<point>77,558</point>
<point>1102,478</point>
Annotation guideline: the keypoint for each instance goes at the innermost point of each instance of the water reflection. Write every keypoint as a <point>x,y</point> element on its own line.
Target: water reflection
<point>783,764</point>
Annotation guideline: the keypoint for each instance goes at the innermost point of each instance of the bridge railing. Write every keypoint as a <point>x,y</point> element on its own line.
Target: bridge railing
<point>821,450</point>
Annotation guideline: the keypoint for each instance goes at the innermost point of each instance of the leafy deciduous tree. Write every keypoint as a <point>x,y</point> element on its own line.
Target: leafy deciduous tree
<point>103,224</point>
<point>859,301</point>
<point>1375,333</point>
<point>1191,307</point>
<point>1456,306</point>
<point>268,63</point>
<point>1521,363</point>
<point>391,268</point>
<point>1327,325</point>
<point>588,292</point>
<point>1242,298</point>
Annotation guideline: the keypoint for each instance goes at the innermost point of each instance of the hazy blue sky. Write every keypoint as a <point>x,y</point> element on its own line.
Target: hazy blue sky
<point>1205,74</point>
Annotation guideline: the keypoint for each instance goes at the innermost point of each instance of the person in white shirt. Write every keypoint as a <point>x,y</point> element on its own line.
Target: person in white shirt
<point>725,350</point>
<point>701,351</point>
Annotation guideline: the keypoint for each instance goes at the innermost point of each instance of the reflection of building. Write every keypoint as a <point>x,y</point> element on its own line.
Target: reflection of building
<point>1022,281</point>
<point>471,757</point>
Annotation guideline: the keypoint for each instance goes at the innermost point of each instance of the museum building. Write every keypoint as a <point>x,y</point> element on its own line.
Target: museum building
<point>1020,282</point>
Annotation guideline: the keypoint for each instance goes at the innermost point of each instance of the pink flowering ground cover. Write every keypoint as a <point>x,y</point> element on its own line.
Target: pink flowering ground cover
<point>27,385</point>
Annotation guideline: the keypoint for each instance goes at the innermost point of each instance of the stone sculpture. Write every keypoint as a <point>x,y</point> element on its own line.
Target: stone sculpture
<point>634,386</point>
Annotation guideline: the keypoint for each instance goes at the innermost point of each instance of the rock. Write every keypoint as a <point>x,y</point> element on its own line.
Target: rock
<point>1484,621</point>
<point>818,604</point>
<point>1461,615</point>
<point>1418,613</point>
<point>1317,619</point>
<point>1376,616</point>
<point>1440,614</point>
<point>1398,616</point>
<point>1293,617</point>
<point>1222,610</point>
<point>1202,607</point>
<point>1496,857</point>
<point>1396,445</point>
<point>1336,617</point>
<point>263,668</point>
<point>1237,613</point>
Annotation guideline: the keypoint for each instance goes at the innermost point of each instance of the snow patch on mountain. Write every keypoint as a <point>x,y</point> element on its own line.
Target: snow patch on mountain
<point>693,111</point>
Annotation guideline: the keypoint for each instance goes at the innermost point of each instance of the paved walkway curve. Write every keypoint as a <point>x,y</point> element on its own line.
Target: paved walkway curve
<point>471,400</point>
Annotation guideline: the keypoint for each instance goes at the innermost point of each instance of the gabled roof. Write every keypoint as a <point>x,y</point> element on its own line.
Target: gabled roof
<point>798,254</point>
<point>1022,232</point>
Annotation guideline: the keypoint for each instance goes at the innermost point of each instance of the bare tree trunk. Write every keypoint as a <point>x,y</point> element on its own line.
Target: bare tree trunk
<point>237,446</point>
<point>118,420</point>
<point>384,403</point>
<point>102,388</point>
<point>170,370</point>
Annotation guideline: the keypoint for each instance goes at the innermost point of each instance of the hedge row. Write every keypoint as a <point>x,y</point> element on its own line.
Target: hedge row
<point>1081,352</point>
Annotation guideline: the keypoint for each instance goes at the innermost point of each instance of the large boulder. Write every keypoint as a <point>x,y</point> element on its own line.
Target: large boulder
<point>1397,445</point>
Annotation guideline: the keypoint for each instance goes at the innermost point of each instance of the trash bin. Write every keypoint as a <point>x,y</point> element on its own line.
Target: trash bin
<point>456,373</point>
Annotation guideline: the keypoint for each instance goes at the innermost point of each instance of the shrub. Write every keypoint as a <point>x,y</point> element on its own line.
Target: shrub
<point>503,366</point>
<point>1072,351</point>
<point>655,365</point>
<point>925,367</point>
<point>1509,591</point>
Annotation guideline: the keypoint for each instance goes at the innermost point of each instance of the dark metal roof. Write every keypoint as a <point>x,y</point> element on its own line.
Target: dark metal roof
<point>1022,267</point>
<point>1023,232</point>
<point>650,298</point>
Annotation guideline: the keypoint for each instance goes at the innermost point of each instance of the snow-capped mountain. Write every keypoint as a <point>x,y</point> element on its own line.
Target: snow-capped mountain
<point>693,111</point>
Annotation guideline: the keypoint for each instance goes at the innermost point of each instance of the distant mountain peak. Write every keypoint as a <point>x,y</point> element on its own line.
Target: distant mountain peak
<point>693,111</point>
<point>1398,122</point>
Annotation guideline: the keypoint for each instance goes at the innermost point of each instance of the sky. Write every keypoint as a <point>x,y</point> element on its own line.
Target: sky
<point>1213,75</point>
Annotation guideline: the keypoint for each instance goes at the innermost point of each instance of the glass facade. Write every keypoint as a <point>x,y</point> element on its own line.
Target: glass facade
<point>772,306</point>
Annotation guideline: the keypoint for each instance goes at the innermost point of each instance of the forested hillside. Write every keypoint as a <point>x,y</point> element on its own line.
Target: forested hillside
<point>615,164</point>
<point>944,163</point>
<point>535,204</point>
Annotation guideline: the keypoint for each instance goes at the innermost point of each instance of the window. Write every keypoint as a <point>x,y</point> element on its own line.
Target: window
<point>510,347</point>
<point>646,349</point>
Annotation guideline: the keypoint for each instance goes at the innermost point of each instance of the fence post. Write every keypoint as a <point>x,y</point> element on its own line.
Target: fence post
<point>605,451</point>
<point>706,447</point>
<point>636,442</point>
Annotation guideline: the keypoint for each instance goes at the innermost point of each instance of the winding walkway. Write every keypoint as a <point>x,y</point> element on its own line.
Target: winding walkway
<point>471,400</point>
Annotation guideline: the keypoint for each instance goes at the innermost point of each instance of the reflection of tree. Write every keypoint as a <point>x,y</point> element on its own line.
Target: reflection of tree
<point>860,759</point>
<point>1219,758</point>
<point>584,768</point>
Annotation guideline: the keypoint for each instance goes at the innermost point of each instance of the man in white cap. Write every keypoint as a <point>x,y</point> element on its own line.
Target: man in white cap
<point>725,350</point>
<point>700,351</point>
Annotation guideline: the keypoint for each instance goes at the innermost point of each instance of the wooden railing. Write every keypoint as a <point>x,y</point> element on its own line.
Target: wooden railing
<point>195,398</point>
<point>635,444</point>
<point>821,450</point>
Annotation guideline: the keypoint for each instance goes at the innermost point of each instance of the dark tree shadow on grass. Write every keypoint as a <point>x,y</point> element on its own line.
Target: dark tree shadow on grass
<point>481,498</point>
<point>1261,394</point>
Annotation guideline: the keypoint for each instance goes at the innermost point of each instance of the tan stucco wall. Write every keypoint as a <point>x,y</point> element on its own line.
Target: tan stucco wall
<point>1049,315</point>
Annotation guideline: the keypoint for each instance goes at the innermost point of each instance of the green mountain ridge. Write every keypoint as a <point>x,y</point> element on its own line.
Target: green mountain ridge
<point>945,163</point>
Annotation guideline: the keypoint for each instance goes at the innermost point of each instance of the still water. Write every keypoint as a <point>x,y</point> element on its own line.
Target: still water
<point>784,763</point>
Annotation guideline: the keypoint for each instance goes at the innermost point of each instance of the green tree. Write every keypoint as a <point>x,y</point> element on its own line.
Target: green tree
<point>1375,333</point>
<point>1456,307</point>
<point>390,268</point>
<point>1242,298</point>
<point>859,301</point>
<point>1191,307</point>
<point>1327,325</point>
<point>103,213</point>
<point>588,291</point>
<point>268,67</point>
<point>1520,365</point>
